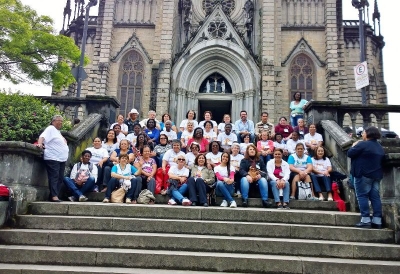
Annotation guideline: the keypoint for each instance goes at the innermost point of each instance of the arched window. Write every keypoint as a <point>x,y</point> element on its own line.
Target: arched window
<point>302,77</point>
<point>131,82</point>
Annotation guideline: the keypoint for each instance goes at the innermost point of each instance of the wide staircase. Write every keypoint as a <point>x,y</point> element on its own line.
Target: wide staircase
<point>117,238</point>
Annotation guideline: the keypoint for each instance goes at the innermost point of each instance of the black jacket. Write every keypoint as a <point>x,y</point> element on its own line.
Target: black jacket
<point>245,165</point>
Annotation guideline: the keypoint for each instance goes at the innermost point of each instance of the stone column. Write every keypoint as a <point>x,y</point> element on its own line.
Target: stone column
<point>332,62</point>
<point>169,12</point>
<point>98,80</point>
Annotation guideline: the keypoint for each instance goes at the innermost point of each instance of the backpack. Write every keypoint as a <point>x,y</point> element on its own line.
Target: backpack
<point>6,194</point>
<point>304,191</point>
<point>83,174</point>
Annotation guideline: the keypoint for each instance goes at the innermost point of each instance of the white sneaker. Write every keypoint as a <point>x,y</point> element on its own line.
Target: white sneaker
<point>128,201</point>
<point>224,203</point>
<point>83,198</point>
<point>233,204</point>
<point>186,202</point>
<point>106,200</point>
<point>171,202</point>
<point>72,198</point>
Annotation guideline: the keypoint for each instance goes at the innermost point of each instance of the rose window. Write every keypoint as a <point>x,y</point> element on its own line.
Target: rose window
<point>217,28</point>
<point>227,5</point>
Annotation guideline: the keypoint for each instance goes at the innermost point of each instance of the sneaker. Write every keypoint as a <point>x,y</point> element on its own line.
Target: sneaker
<point>232,204</point>
<point>171,202</point>
<point>106,200</point>
<point>186,202</point>
<point>96,189</point>
<point>128,201</point>
<point>83,198</point>
<point>292,198</point>
<point>72,198</point>
<point>224,203</point>
<point>238,194</point>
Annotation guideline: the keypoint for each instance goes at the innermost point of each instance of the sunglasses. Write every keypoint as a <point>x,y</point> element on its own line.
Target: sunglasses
<point>181,159</point>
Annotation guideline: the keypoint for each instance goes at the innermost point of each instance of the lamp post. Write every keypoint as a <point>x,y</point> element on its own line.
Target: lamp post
<point>360,5</point>
<point>80,73</point>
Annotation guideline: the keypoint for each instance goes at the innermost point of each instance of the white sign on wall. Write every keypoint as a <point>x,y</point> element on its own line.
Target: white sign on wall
<point>361,75</point>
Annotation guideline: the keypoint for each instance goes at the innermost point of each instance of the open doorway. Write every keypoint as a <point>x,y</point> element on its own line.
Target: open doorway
<point>217,107</point>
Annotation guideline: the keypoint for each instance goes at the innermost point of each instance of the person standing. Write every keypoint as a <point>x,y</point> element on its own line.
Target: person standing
<point>55,155</point>
<point>366,168</point>
<point>297,107</point>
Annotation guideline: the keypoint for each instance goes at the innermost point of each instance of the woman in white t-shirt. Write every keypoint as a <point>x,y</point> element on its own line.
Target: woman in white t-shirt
<point>187,134</point>
<point>322,168</point>
<point>178,175</point>
<point>99,158</point>
<point>120,122</point>
<point>225,174</point>
<point>190,117</point>
<point>214,156</point>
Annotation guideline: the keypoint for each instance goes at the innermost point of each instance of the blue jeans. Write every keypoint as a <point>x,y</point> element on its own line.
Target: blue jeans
<point>266,158</point>
<point>316,180</point>
<point>223,189</point>
<point>368,189</point>
<point>275,191</point>
<point>262,185</point>
<point>177,195</point>
<point>79,190</point>
<point>293,120</point>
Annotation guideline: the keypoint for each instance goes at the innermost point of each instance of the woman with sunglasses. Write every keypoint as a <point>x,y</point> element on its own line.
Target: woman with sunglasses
<point>178,175</point>
<point>201,181</point>
<point>162,147</point>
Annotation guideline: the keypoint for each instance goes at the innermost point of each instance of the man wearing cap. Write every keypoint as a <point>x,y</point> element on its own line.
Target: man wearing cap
<point>132,120</point>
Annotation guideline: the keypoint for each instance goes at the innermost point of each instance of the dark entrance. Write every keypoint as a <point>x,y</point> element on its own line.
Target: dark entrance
<point>217,107</point>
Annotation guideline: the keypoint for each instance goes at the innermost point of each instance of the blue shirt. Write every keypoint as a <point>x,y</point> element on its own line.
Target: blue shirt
<point>366,159</point>
<point>247,126</point>
<point>298,109</point>
<point>153,134</point>
<point>300,163</point>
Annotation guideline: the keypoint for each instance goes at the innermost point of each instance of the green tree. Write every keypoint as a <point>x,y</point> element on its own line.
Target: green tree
<point>24,117</point>
<point>30,49</point>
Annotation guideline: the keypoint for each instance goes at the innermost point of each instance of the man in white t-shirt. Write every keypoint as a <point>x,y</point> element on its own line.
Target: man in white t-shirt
<point>227,138</point>
<point>55,155</point>
<point>313,139</point>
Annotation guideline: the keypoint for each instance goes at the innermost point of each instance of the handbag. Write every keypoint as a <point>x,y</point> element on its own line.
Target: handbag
<point>304,191</point>
<point>253,173</point>
<point>145,197</point>
<point>117,196</point>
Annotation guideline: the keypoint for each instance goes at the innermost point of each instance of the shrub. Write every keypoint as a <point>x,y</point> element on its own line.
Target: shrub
<point>24,117</point>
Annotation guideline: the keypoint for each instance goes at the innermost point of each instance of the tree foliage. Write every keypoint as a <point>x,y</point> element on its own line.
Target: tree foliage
<point>24,117</point>
<point>30,49</point>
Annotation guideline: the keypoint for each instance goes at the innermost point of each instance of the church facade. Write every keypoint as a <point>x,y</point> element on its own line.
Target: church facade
<point>224,55</point>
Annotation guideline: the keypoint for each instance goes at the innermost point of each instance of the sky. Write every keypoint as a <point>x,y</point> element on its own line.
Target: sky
<point>388,10</point>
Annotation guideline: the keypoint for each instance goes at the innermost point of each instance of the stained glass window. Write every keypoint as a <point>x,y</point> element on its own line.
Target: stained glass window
<point>302,77</point>
<point>227,5</point>
<point>131,83</point>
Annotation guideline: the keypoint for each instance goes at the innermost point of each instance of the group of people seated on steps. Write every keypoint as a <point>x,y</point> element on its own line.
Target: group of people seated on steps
<point>198,159</point>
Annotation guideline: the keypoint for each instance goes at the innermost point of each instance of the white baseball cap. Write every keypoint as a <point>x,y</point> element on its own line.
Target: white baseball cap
<point>134,110</point>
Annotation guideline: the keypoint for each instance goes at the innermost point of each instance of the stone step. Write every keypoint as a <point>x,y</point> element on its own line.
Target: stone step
<point>196,261</point>
<point>200,243</point>
<point>253,202</point>
<point>63,269</point>
<point>332,218</point>
<point>206,227</point>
